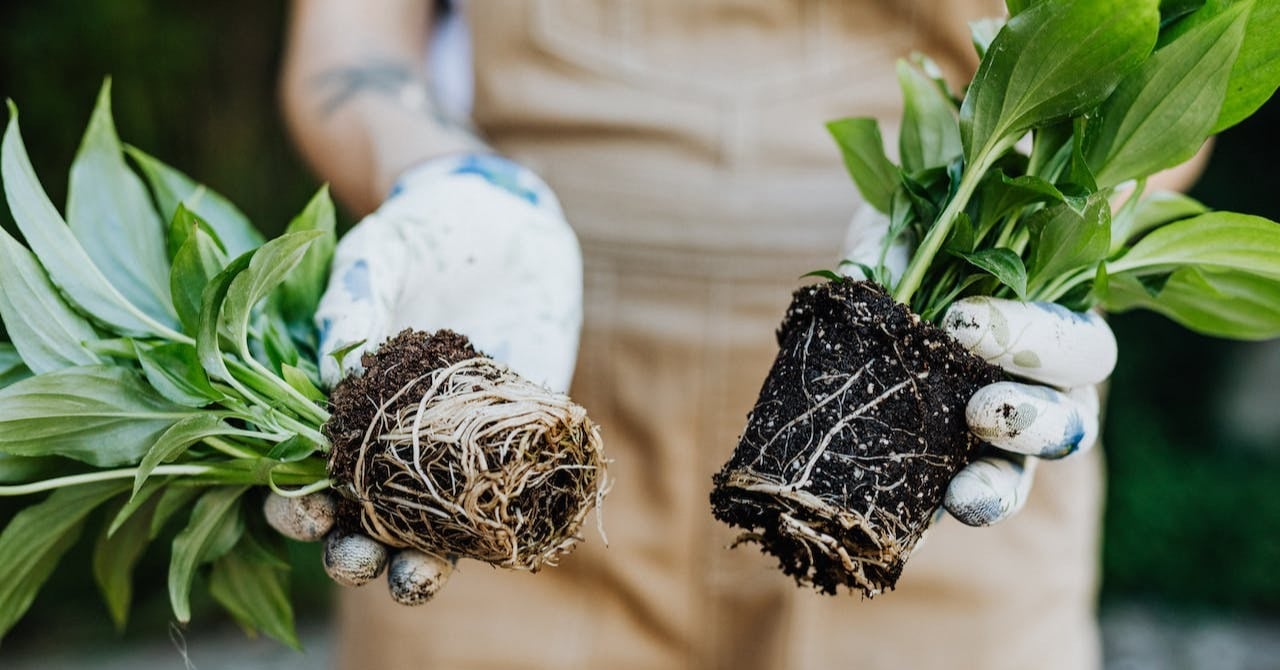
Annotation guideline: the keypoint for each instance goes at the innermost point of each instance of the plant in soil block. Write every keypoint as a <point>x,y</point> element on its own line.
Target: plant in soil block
<point>163,366</point>
<point>861,423</point>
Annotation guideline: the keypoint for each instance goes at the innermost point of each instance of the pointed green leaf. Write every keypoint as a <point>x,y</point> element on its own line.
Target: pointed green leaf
<point>48,334</point>
<point>12,369</point>
<point>1161,114</point>
<point>172,500</point>
<point>1256,71</point>
<point>300,292</point>
<point>930,135</point>
<point>103,416</point>
<point>1215,242</point>
<point>1153,211</point>
<point>268,268</point>
<point>173,442</point>
<point>293,449</point>
<point>299,381</point>
<point>180,227</point>
<point>37,537</point>
<point>863,151</point>
<point>171,187</point>
<point>1004,265</point>
<point>207,345</point>
<point>197,261</point>
<point>69,267</point>
<point>256,593</point>
<point>1051,61</point>
<point>135,502</point>
<point>173,369</point>
<point>214,527</point>
<point>109,212</point>
<point>114,556</point>
<point>1230,304</point>
<point>1064,241</point>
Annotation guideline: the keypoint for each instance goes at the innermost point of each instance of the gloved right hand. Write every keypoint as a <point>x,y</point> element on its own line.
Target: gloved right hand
<point>1063,355</point>
<point>474,243</point>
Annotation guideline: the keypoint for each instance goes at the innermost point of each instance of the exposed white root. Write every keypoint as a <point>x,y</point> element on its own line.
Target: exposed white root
<point>486,465</point>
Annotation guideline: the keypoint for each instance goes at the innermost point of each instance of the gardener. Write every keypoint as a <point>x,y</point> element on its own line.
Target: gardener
<point>685,142</point>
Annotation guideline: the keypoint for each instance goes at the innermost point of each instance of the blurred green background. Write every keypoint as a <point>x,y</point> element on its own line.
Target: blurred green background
<point>1193,426</point>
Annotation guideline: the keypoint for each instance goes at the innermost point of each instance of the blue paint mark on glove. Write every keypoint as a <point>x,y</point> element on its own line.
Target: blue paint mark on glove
<point>498,171</point>
<point>356,282</point>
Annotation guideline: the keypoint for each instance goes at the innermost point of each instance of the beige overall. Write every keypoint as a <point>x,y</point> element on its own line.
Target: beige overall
<point>685,139</point>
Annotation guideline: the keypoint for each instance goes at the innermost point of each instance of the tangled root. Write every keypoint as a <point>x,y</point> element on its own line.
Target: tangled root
<point>472,460</point>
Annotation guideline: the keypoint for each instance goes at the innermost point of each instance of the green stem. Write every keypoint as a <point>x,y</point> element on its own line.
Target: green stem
<point>103,475</point>
<point>937,235</point>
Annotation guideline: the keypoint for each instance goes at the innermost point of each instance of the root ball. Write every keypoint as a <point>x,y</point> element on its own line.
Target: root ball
<point>440,449</point>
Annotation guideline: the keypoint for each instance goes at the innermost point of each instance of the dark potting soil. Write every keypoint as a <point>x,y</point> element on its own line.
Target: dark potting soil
<point>355,400</point>
<point>855,436</point>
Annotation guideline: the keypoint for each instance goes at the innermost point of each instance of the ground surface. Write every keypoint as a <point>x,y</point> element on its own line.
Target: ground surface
<point>1135,637</point>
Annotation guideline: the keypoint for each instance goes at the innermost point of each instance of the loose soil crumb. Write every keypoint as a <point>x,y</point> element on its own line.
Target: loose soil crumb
<point>857,432</point>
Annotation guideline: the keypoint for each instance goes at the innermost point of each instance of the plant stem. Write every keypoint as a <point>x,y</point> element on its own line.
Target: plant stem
<point>937,235</point>
<point>103,475</point>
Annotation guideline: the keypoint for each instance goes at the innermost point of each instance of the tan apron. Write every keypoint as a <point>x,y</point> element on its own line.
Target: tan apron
<point>685,139</point>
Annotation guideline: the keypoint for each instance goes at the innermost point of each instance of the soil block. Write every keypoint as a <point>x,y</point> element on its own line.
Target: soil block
<point>855,436</point>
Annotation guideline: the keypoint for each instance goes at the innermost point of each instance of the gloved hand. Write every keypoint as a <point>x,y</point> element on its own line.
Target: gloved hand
<point>473,243</point>
<point>1063,354</point>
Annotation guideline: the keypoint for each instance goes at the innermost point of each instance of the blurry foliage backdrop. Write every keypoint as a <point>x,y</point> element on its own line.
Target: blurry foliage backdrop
<point>1193,428</point>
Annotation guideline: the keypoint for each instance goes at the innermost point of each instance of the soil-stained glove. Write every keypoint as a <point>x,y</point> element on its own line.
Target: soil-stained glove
<point>473,243</point>
<point>1063,354</point>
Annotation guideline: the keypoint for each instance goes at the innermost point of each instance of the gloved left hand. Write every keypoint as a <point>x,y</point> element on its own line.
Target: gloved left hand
<point>474,243</point>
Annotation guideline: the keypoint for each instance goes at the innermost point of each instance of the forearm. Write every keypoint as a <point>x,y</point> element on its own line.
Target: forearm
<point>356,97</point>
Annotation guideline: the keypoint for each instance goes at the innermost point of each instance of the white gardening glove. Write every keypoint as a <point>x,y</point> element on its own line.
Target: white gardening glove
<point>473,243</point>
<point>1063,354</point>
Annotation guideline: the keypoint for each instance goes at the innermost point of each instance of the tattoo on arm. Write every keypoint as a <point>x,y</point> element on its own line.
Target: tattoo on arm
<point>390,79</point>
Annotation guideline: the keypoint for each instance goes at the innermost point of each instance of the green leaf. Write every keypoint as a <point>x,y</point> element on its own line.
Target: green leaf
<point>299,381</point>
<point>103,416</point>
<point>197,261</point>
<point>1215,241</point>
<point>172,500</point>
<point>135,502</point>
<point>1256,71</point>
<point>824,274</point>
<point>1161,114</point>
<point>45,331</point>
<point>214,527</point>
<point>930,135</point>
<point>37,537</point>
<point>1053,60</point>
<point>864,157</point>
<point>114,556</point>
<point>109,212</point>
<point>177,440</point>
<point>1153,211</point>
<point>982,32</point>
<point>180,227</point>
<point>293,449</point>
<point>256,593</point>
<point>171,187</point>
<point>1064,240</point>
<point>23,469</point>
<point>69,267</point>
<point>1004,265</point>
<point>173,369</point>
<point>1237,305</point>
<point>340,354</point>
<point>270,265</point>
<point>215,293</point>
<point>12,369</point>
<point>300,292</point>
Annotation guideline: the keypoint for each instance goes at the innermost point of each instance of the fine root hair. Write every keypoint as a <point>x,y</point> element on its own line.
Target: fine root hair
<point>471,460</point>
